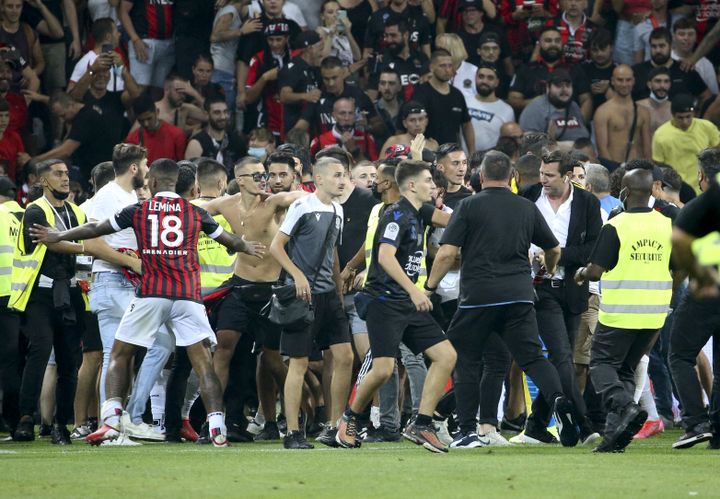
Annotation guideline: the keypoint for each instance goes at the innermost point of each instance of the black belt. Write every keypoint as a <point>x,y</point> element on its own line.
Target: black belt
<point>553,283</point>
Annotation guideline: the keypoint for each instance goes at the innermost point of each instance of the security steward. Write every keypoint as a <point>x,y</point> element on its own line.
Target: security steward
<point>632,260</point>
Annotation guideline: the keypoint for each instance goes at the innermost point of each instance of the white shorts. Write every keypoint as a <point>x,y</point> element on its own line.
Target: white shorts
<point>187,320</point>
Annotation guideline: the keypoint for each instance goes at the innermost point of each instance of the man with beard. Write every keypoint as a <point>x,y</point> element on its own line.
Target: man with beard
<point>281,172</point>
<point>658,103</point>
<point>388,105</point>
<point>532,79</point>
<point>216,142</point>
<point>555,113</point>
<point>682,82</point>
<point>175,110</point>
<point>487,112</point>
<point>420,31</point>
<point>473,30</point>
<point>575,29</point>
<point>359,143</point>
<point>447,112</point>
<point>398,56</point>
<point>18,102</point>
<point>622,128</point>
<point>599,68</point>
<point>160,138</point>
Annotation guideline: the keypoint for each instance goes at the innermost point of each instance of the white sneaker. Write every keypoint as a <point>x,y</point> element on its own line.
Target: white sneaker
<point>142,431</point>
<point>494,438</point>
<point>122,441</point>
<point>442,432</point>
<point>254,427</point>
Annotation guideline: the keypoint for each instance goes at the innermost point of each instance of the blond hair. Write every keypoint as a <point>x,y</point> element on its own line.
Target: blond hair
<point>453,44</point>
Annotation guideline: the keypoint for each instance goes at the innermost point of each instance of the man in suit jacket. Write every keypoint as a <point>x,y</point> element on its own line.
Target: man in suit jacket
<point>573,214</point>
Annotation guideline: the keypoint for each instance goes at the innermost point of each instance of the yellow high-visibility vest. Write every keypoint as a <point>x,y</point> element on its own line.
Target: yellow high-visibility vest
<point>636,293</point>
<point>216,264</point>
<point>26,266</point>
<point>9,230</point>
<point>373,222</point>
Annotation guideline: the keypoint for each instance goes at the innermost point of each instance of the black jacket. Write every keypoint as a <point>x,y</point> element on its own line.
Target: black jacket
<point>583,231</point>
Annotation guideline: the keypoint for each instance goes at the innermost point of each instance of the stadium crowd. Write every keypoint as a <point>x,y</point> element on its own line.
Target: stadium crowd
<point>355,221</point>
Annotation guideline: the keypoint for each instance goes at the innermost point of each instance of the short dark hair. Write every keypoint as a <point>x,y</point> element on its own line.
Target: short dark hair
<point>44,167</point>
<point>476,159</point>
<point>143,104</point>
<point>125,155</point>
<point>565,161</point>
<point>396,20</point>
<point>337,153</point>
<point>209,170</point>
<point>508,146</point>
<point>600,39</point>
<point>709,161</point>
<point>232,188</point>
<point>661,32</point>
<point>213,99</point>
<point>639,164</point>
<point>4,106</point>
<point>409,168</point>
<point>660,70</point>
<point>102,28</point>
<point>203,56</point>
<point>331,62</point>
<point>528,166</point>
<point>165,169</point>
<point>545,29</point>
<point>61,99</point>
<point>440,180</point>
<point>445,149</point>
<point>582,143</point>
<point>280,157</point>
<point>101,174</point>
<point>684,23</point>
<point>496,165</point>
<point>185,180</point>
<point>534,143</point>
<point>438,53</point>
<point>388,70</point>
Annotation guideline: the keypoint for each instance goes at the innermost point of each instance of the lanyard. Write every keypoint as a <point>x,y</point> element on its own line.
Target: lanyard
<point>59,217</point>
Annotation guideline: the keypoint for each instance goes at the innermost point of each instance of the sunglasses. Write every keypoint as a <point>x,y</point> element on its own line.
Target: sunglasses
<point>257,177</point>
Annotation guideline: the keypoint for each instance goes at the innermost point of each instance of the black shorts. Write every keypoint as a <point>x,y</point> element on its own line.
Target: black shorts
<point>330,327</point>
<point>239,313</point>
<point>391,322</point>
<point>91,335</point>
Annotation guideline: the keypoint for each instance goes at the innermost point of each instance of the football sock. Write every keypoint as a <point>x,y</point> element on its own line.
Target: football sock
<point>111,411</point>
<point>217,420</point>
<point>423,420</point>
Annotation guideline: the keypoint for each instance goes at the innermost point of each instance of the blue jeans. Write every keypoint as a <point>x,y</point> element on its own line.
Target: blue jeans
<point>110,295</point>
<point>227,82</point>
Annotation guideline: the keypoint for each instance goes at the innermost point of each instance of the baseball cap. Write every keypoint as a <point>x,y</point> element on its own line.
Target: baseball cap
<point>7,187</point>
<point>464,4</point>
<point>682,103</point>
<point>278,28</point>
<point>412,107</point>
<point>560,76</point>
<point>306,39</point>
<point>488,38</point>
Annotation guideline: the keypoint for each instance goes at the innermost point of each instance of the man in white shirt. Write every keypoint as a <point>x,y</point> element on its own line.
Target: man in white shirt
<point>107,38</point>
<point>488,113</point>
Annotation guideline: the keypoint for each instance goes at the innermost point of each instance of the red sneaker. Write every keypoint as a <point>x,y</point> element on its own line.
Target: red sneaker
<point>650,429</point>
<point>188,432</point>
<point>103,434</point>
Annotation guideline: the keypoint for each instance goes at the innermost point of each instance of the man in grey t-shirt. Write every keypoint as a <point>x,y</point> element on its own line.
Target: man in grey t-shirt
<point>311,230</point>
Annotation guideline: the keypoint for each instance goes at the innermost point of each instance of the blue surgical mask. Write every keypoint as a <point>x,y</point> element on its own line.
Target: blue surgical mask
<point>257,152</point>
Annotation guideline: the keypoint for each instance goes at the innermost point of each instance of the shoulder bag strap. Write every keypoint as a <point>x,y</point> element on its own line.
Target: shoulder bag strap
<point>631,137</point>
<point>324,245</point>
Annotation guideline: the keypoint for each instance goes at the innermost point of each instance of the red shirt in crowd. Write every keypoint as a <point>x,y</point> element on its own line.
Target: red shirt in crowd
<point>167,141</point>
<point>10,145</point>
<point>331,138</point>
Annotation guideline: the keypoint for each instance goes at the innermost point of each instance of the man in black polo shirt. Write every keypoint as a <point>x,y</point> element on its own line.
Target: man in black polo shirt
<point>682,82</point>
<point>420,35</point>
<point>531,79</point>
<point>299,81</point>
<point>398,311</point>
<point>495,229</point>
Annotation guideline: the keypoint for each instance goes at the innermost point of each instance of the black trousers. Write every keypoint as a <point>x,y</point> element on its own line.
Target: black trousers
<point>614,357</point>
<point>46,330</point>
<point>558,328</point>
<point>9,374</point>
<point>517,326</point>
<point>175,391</point>
<point>696,321</point>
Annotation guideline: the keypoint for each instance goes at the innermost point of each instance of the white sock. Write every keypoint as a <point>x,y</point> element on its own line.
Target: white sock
<point>641,377</point>
<point>192,392</point>
<point>217,420</point>
<point>111,411</point>
<point>260,417</point>
<point>647,402</point>
<point>157,396</point>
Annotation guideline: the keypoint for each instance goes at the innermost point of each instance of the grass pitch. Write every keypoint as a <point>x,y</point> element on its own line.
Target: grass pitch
<point>649,468</point>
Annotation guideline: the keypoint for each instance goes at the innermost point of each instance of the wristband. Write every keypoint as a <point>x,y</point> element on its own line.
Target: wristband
<point>428,288</point>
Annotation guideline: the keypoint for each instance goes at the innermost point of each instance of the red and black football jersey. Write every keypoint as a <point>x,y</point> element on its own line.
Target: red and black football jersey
<point>167,229</point>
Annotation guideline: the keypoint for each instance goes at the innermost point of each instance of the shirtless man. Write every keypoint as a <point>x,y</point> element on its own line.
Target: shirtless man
<point>415,121</point>
<point>175,110</point>
<point>251,212</point>
<point>613,122</point>
<point>658,104</point>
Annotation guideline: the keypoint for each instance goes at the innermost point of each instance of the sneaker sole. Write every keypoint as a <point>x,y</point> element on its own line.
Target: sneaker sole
<point>624,439</point>
<point>690,442</point>
<point>341,443</point>
<point>592,438</point>
<point>434,449</point>
<point>109,436</point>
<point>566,427</point>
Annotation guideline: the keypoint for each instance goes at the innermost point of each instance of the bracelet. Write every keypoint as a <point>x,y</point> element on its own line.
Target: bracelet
<point>428,288</point>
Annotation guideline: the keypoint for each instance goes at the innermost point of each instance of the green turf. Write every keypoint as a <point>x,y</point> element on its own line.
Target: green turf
<point>647,469</point>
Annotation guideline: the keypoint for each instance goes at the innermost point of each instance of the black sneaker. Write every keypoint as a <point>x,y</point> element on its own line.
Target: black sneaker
<point>204,435</point>
<point>538,436</point>
<point>92,424</point>
<point>60,435</point>
<point>45,430</point>
<point>238,434</point>
<point>513,425</point>
<point>296,440</point>
<point>282,424</point>
<point>173,436</point>
<point>566,422</point>
<point>693,436</point>
<point>632,419</point>
<point>327,436</point>
<point>607,446</point>
<point>269,432</point>
<point>25,431</point>
<point>714,443</point>
<point>382,434</point>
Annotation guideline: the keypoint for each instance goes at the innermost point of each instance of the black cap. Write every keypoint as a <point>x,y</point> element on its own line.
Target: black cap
<point>277,28</point>
<point>412,107</point>
<point>306,39</point>
<point>489,38</point>
<point>682,103</point>
<point>560,76</point>
<point>7,187</point>
<point>464,4</point>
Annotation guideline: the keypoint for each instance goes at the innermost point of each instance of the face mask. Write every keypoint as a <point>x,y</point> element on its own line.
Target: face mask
<point>656,98</point>
<point>377,195</point>
<point>59,195</point>
<point>257,152</point>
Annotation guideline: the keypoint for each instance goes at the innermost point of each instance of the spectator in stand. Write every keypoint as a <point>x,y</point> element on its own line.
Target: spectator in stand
<point>389,102</point>
<point>630,13</point>
<point>107,38</point>
<point>359,13</point>
<point>289,10</point>
<point>201,87</point>
<point>531,79</point>
<point>487,112</point>
<point>262,77</point>
<point>585,147</point>
<point>192,25</point>
<point>261,143</point>
<point>556,113</point>
<point>346,134</point>
<point>449,18</point>
<point>598,70</point>
<point>18,103</point>
<point>464,71</point>
<point>659,16</point>
<point>575,29</point>
<point>151,48</point>
<point>658,103</point>
<point>524,21</point>
<point>413,120</point>
<point>336,32</point>
<point>682,82</point>
<point>418,27</point>
<point>489,53</point>
<point>299,81</point>
<point>12,149</point>
<point>473,28</point>
<point>175,110</point>
<point>160,138</point>
<point>447,112</point>
<point>411,65</point>
<point>683,43</point>
<point>217,141</point>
